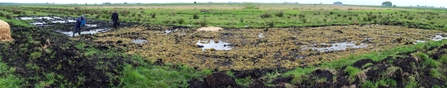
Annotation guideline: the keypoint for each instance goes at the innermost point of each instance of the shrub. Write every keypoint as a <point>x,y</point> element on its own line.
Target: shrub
<point>302,16</point>
<point>331,13</point>
<point>350,9</point>
<point>280,14</point>
<point>203,23</point>
<point>173,21</point>
<point>304,20</point>
<point>180,21</point>
<point>241,20</point>
<point>1,14</point>
<point>8,17</point>
<point>266,15</point>
<point>271,24</point>
<point>195,16</point>
<point>153,15</point>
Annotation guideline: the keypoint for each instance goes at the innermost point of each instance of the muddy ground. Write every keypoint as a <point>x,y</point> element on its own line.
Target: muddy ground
<point>408,70</point>
<point>38,52</point>
<point>245,49</point>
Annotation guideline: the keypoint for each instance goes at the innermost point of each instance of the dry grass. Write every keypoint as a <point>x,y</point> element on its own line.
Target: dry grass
<point>5,31</point>
<point>274,49</point>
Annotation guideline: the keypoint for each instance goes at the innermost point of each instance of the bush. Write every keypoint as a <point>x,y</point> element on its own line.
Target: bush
<point>266,15</point>
<point>153,15</point>
<point>331,13</point>
<point>271,24</point>
<point>1,14</point>
<point>195,16</point>
<point>173,21</point>
<point>304,20</point>
<point>203,23</point>
<point>180,21</point>
<point>8,17</point>
<point>280,14</point>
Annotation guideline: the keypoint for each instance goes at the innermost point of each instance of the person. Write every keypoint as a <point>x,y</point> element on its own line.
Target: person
<point>115,19</point>
<point>79,22</point>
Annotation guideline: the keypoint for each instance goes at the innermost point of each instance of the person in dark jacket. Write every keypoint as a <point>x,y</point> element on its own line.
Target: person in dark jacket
<point>115,18</point>
<point>79,22</point>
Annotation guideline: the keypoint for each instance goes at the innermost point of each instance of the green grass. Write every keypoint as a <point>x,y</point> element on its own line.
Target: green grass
<point>352,71</point>
<point>158,76</point>
<point>435,73</point>
<point>444,59</point>
<point>7,78</point>
<point>412,83</point>
<point>250,15</point>
<point>244,81</point>
<point>347,61</point>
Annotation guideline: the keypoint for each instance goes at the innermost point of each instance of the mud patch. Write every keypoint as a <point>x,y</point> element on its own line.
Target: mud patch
<point>139,41</point>
<point>94,31</point>
<point>335,46</point>
<point>211,44</point>
<point>362,62</point>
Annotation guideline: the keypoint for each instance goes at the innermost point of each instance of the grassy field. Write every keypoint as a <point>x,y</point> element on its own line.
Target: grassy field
<point>247,15</point>
<point>274,45</point>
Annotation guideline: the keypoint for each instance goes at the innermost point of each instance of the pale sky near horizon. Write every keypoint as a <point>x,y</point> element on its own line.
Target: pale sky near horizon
<point>436,3</point>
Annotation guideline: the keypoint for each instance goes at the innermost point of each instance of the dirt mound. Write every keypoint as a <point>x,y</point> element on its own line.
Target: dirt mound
<point>5,34</point>
<point>211,28</point>
<point>393,71</point>
<point>220,80</point>
<point>361,63</point>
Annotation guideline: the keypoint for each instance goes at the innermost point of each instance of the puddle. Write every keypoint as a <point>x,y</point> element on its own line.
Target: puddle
<point>419,41</point>
<point>335,46</point>
<point>25,18</point>
<point>212,44</point>
<point>438,38</point>
<point>38,23</point>
<point>139,41</point>
<point>168,31</point>
<point>94,31</point>
<point>91,25</point>
<point>260,35</point>
<point>71,21</point>
<point>59,21</point>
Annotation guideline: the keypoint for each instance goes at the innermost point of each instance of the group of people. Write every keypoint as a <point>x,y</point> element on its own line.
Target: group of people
<point>81,22</point>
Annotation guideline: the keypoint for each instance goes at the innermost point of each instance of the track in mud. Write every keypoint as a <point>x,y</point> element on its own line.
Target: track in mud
<point>245,49</point>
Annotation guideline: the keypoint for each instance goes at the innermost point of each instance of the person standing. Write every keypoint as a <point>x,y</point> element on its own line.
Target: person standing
<point>79,22</point>
<point>115,19</point>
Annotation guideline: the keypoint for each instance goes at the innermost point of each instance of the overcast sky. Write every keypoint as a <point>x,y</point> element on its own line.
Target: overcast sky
<point>435,3</point>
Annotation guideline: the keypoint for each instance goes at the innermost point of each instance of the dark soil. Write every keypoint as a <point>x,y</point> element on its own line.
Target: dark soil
<point>38,52</point>
<point>405,65</point>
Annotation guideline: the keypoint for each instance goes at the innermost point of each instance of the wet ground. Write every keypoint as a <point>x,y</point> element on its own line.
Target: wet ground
<point>66,26</point>
<point>243,49</point>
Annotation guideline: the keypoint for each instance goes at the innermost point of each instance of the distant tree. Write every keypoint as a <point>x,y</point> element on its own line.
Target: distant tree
<point>338,3</point>
<point>195,2</point>
<point>394,5</point>
<point>125,2</point>
<point>85,3</point>
<point>387,3</point>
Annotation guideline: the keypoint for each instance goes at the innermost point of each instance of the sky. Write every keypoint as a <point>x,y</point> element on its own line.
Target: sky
<point>436,3</point>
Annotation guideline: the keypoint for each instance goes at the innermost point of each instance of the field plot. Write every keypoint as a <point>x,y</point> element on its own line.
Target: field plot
<point>245,49</point>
